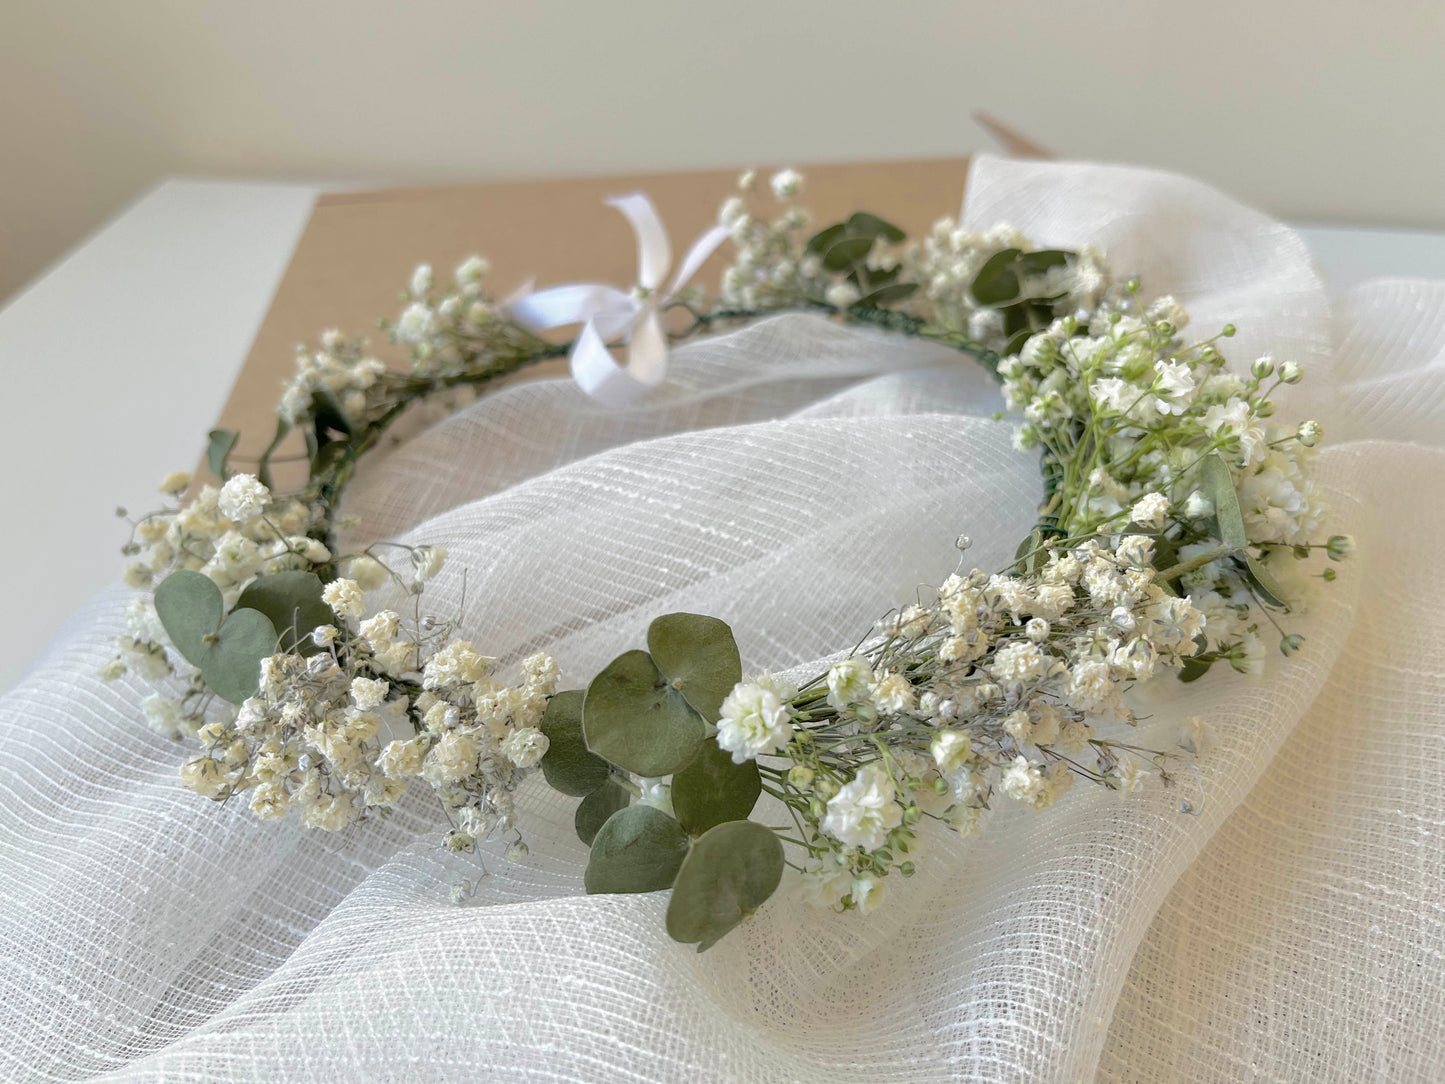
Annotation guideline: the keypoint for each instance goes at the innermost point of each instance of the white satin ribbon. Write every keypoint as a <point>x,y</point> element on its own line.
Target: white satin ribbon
<point>609,315</point>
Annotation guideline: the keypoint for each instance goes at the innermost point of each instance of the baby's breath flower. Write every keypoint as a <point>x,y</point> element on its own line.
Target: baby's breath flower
<point>952,750</point>
<point>864,811</point>
<point>176,483</point>
<point>429,561</point>
<point>243,498</point>
<point>525,747</point>
<point>849,682</point>
<point>1149,511</point>
<point>786,184</point>
<point>367,693</point>
<point>367,572</point>
<point>344,597</point>
<point>754,721</point>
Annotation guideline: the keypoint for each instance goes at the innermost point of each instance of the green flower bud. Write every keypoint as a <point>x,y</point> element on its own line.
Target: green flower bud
<point>1291,644</point>
<point>1340,546</point>
<point>800,776</point>
<point>1262,367</point>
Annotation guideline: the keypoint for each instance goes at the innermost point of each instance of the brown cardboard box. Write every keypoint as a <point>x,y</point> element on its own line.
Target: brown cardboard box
<point>359,248</point>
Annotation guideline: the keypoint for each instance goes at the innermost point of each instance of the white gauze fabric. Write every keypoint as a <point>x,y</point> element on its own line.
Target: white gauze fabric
<point>798,479</point>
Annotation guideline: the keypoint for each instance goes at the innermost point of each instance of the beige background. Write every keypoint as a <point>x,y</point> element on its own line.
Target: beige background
<point>1321,110</point>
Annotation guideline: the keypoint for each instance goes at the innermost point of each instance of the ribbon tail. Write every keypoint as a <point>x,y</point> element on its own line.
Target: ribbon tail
<point>696,256</point>
<point>598,374</point>
<point>574,304</point>
<point>654,253</point>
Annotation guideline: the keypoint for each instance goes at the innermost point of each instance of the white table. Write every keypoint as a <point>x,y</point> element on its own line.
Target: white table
<point>115,360</point>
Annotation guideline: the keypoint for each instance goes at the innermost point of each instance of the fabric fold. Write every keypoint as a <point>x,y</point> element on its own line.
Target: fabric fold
<point>799,479</point>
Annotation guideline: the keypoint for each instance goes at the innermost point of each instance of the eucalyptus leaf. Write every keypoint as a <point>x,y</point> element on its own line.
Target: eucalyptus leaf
<point>1036,263</point>
<point>598,807</point>
<point>863,224</point>
<point>699,658</point>
<point>726,876</point>
<point>639,849</point>
<point>1267,586</point>
<point>712,789</point>
<point>220,444</point>
<point>879,278</point>
<point>233,664</point>
<point>567,764</point>
<point>190,607</point>
<point>997,283</point>
<point>1219,488</point>
<point>328,454</point>
<point>633,718</point>
<point>1196,667</point>
<point>888,295</point>
<point>846,251</point>
<point>328,412</point>
<point>292,600</point>
<point>227,650</point>
<point>1029,554</point>
<point>820,241</point>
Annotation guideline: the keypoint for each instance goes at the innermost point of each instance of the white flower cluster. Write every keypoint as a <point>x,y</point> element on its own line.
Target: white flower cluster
<point>340,733</point>
<point>1127,411</point>
<point>341,368</point>
<point>995,688</point>
<point>770,269</point>
<point>231,533</point>
<point>336,730</point>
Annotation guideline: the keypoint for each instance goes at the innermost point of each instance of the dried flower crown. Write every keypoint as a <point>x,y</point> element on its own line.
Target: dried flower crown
<point>1174,513</point>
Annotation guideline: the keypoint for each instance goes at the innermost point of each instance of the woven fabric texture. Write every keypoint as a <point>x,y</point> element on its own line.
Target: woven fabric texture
<point>799,479</point>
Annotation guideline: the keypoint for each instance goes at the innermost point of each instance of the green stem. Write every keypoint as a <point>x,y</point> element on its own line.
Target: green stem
<point>1199,560</point>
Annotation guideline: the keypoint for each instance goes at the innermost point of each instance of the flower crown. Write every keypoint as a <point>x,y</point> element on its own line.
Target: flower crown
<point>1178,520</point>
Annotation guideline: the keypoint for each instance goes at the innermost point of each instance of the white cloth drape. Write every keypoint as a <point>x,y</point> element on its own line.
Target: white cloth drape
<point>799,479</point>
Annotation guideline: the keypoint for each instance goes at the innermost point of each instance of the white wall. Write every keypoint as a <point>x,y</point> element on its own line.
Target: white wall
<point>1323,110</point>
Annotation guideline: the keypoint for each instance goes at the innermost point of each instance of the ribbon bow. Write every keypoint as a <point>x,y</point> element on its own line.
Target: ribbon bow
<point>609,315</point>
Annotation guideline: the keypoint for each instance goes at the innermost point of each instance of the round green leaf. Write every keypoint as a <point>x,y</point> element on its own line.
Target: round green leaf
<point>1036,263</point>
<point>219,446</point>
<point>567,764</point>
<point>232,665</point>
<point>862,224</point>
<point>699,658</point>
<point>728,874</point>
<point>887,295</point>
<point>997,282</point>
<point>639,849</point>
<point>712,789</point>
<point>633,718</point>
<point>597,807</point>
<point>821,240</point>
<point>846,251</point>
<point>292,601</point>
<point>190,608</point>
